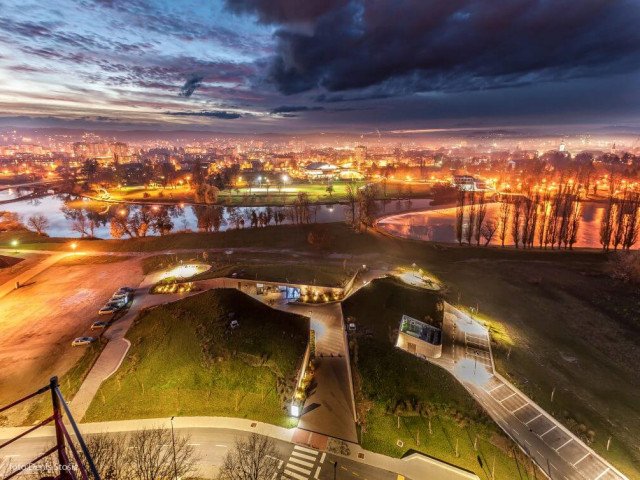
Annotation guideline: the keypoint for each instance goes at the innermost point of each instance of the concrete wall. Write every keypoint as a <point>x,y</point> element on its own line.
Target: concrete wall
<point>422,349</point>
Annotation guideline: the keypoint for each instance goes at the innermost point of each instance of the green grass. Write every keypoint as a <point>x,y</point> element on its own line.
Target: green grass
<point>183,361</point>
<point>538,304</point>
<point>254,269</point>
<point>394,384</point>
<point>70,383</point>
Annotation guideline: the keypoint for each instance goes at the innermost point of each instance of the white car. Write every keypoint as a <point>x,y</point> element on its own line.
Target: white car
<point>82,341</point>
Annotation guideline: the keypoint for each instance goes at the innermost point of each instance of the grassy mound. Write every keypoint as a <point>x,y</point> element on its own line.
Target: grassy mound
<point>184,360</point>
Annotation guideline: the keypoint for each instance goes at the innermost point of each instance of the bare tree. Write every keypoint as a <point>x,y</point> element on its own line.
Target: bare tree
<point>632,224</point>
<point>109,454</point>
<point>352,199</point>
<point>606,225</point>
<point>480,216</point>
<point>505,213</point>
<point>488,230</point>
<point>252,459</point>
<point>460,215</point>
<point>367,206</point>
<point>471,222</point>
<point>516,220</point>
<point>39,223</point>
<point>151,455</point>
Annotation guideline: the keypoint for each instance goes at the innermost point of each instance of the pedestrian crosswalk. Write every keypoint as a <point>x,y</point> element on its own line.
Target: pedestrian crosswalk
<point>303,464</point>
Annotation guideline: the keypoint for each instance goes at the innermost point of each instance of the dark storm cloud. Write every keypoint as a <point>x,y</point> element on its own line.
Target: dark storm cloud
<point>295,108</point>
<point>193,82</point>
<point>221,114</point>
<point>407,46</point>
<point>285,11</point>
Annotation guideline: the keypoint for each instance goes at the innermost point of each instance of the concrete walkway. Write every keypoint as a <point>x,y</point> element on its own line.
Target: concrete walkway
<point>556,450</point>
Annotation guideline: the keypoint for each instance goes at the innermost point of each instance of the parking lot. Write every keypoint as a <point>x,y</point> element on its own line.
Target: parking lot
<point>39,321</point>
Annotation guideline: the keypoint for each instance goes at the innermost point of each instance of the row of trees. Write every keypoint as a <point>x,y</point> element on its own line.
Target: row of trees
<point>620,223</point>
<point>548,218</point>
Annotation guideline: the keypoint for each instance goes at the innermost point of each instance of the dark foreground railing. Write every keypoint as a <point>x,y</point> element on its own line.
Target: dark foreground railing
<point>69,468</point>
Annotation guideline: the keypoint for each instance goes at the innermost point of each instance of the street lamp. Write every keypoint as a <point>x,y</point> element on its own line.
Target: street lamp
<point>73,246</point>
<point>173,440</point>
<point>14,244</point>
<point>335,469</point>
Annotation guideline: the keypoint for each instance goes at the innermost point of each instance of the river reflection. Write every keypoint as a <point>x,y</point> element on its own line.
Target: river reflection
<point>62,217</point>
<point>438,225</point>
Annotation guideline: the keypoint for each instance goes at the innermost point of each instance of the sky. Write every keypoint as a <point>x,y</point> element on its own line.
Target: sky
<point>318,65</point>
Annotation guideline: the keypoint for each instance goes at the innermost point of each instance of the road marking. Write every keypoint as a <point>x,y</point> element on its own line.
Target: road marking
<point>222,446</point>
<point>317,474</point>
<point>521,406</point>
<point>301,462</point>
<point>537,416</point>
<point>603,473</point>
<point>552,428</point>
<point>585,456</point>
<point>308,450</point>
<point>298,468</point>
<point>194,444</point>
<point>565,443</point>
<point>495,388</point>
<point>507,398</point>
<point>295,475</point>
<point>304,455</point>
<point>324,455</point>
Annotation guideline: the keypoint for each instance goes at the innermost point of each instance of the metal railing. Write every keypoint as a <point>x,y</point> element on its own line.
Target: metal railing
<point>70,467</point>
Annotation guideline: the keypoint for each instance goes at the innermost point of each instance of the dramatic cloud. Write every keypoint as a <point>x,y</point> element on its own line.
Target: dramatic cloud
<point>294,108</point>
<point>408,46</point>
<point>193,82</point>
<point>221,114</point>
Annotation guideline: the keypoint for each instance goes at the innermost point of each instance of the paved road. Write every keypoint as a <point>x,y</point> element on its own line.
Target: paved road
<point>560,454</point>
<point>296,462</point>
<point>212,437</point>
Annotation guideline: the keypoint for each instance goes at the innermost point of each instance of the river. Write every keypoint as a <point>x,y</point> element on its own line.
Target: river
<point>438,225</point>
<point>183,219</point>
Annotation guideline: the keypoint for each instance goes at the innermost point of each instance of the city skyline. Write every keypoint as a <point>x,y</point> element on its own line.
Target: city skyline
<point>339,66</point>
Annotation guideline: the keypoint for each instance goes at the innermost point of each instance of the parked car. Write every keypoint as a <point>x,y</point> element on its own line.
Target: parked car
<point>126,297</point>
<point>112,307</point>
<point>125,290</point>
<point>99,325</point>
<point>82,341</point>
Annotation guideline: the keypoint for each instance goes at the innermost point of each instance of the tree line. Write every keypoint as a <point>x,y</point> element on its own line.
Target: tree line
<point>548,218</point>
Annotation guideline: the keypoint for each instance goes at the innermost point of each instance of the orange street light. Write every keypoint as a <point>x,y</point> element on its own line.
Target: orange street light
<point>73,246</point>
